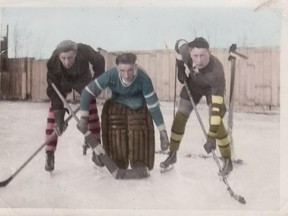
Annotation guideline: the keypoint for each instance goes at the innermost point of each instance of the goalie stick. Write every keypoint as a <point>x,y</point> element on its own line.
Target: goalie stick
<point>117,173</point>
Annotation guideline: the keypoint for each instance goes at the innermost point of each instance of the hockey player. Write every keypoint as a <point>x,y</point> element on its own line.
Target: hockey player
<point>206,78</point>
<point>127,127</point>
<point>68,68</point>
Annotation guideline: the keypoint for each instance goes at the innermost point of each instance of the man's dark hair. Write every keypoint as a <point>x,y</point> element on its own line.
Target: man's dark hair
<point>126,58</point>
<point>199,42</point>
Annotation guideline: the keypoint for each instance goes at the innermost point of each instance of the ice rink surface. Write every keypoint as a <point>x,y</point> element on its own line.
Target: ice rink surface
<point>193,187</point>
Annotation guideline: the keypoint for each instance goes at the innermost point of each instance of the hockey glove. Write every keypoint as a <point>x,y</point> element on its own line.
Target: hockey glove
<point>59,126</point>
<point>94,143</point>
<point>178,54</point>
<point>82,125</point>
<point>96,160</point>
<point>223,110</point>
<point>181,72</point>
<point>179,43</point>
<point>210,145</point>
<point>181,49</point>
<point>164,140</point>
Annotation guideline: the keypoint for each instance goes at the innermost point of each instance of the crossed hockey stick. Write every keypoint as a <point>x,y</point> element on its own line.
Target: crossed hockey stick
<point>117,173</point>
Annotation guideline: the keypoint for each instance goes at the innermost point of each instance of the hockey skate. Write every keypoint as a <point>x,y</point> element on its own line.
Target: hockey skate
<point>50,159</point>
<point>227,167</point>
<point>168,164</point>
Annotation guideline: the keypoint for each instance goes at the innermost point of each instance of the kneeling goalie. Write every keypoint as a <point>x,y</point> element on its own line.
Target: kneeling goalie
<point>127,126</point>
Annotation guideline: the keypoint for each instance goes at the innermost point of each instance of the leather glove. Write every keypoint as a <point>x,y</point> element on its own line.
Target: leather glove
<point>94,143</point>
<point>164,140</point>
<point>223,110</point>
<point>182,51</point>
<point>179,59</point>
<point>96,160</point>
<point>83,124</point>
<point>179,43</point>
<point>178,54</point>
<point>210,145</point>
<point>181,72</point>
<point>59,126</point>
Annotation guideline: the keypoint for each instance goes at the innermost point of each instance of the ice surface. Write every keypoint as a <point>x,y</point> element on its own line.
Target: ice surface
<point>191,187</point>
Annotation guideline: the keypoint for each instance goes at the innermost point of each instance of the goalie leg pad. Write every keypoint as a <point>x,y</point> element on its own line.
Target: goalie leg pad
<point>141,138</point>
<point>114,132</point>
<point>128,135</point>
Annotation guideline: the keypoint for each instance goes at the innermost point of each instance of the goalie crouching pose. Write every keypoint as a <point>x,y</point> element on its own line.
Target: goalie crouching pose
<point>127,126</point>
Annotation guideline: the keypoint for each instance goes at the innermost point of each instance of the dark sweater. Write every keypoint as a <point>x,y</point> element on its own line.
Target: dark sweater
<point>76,77</point>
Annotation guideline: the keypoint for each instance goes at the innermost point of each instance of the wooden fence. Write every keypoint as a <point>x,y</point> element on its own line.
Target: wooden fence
<point>257,81</point>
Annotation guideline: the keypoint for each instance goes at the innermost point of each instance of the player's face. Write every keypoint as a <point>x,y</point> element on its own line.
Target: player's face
<point>67,58</point>
<point>127,72</point>
<point>200,57</point>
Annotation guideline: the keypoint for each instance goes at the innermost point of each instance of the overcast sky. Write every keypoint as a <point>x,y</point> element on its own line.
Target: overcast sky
<point>36,31</point>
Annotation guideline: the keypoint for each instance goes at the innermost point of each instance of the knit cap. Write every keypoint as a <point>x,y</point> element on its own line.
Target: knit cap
<point>66,46</point>
<point>199,42</point>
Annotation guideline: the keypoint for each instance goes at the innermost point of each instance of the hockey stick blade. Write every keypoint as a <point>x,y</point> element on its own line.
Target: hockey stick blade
<point>202,156</point>
<point>205,156</point>
<point>100,152</point>
<point>136,173</point>
<point>239,198</point>
<point>6,182</point>
<point>166,169</point>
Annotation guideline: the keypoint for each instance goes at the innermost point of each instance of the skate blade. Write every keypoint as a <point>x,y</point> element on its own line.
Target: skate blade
<point>50,173</point>
<point>238,161</point>
<point>221,174</point>
<point>99,169</point>
<point>167,169</point>
<point>206,156</point>
<point>195,156</point>
<point>166,152</point>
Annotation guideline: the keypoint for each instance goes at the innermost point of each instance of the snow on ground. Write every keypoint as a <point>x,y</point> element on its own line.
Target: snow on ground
<point>192,188</point>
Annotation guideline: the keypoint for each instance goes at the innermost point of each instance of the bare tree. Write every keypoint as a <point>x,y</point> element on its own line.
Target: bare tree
<point>23,42</point>
<point>16,40</point>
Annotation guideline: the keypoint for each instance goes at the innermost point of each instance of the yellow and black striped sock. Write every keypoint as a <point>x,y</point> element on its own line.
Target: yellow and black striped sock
<point>177,131</point>
<point>223,141</point>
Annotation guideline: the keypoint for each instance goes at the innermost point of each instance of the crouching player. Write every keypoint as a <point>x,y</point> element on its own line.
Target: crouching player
<point>127,117</point>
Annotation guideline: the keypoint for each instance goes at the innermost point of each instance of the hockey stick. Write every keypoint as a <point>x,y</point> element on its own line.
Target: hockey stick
<point>4,183</point>
<point>232,57</point>
<point>137,173</point>
<point>175,86</point>
<point>235,196</point>
<point>231,104</point>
